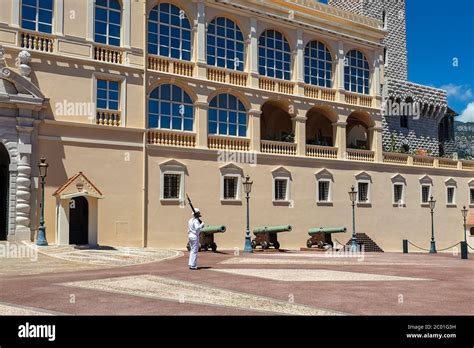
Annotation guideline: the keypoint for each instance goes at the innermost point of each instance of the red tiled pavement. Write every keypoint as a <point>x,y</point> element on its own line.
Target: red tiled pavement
<point>449,292</point>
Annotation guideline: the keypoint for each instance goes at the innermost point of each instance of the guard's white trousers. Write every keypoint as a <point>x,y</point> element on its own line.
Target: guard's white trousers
<point>193,253</point>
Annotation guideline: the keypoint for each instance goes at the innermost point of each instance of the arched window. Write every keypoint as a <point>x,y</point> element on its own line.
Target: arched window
<point>356,72</point>
<point>227,116</point>
<point>107,21</point>
<point>37,15</point>
<point>225,44</point>
<point>317,65</point>
<point>274,55</point>
<point>169,32</point>
<point>170,107</point>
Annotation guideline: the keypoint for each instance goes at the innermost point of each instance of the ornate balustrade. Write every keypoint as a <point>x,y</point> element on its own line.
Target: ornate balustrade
<point>278,147</point>
<point>108,54</point>
<point>321,151</point>
<point>217,142</point>
<point>108,117</point>
<point>226,76</point>
<point>36,42</point>
<point>171,138</point>
<point>360,155</point>
<point>172,66</point>
<point>275,85</point>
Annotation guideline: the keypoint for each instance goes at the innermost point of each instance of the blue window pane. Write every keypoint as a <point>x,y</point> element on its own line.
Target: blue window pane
<point>222,101</point>
<point>212,127</point>
<point>153,15</point>
<point>153,106</point>
<point>100,28</point>
<point>213,102</point>
<point>114,17</point>
<point>101,94</point>
<point>102,104</point>
<point>113,105</point>
<point>222,128</point>
<point>114,30</point>
<point>153,121</point>
<point>242,118</point>
<point>232,116</point>
<point>29,2</point>
<point>28,13</point>
<point>165,108</point>
<point>114,4</point>
<point>176,93</point>
<point>242,131</point>
<point>176,123</point>
<point>222,116</point>
<point>45,16</point>
<point>28,25</point>
<point>188,124</point>
<point>232,129</point>
<point>165,122</point>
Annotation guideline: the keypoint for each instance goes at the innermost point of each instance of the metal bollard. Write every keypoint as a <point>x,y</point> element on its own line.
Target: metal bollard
<point>405,246</point>
<point>464,250</point>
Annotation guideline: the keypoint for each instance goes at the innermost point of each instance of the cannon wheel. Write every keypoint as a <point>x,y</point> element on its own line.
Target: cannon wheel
<point>309,244</point>
<point>213,247</point>
<point>254,244</point>
<point>276,245</point>
<point>265,245</point>
<point>188,247</point>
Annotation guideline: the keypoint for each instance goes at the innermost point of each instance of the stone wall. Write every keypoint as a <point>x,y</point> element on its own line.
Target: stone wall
<point>396,66</point>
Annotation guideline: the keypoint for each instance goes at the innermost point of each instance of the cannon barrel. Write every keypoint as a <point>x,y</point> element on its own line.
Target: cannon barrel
<point>316,230</point>
<point>213,229</point>
<point>272,229</point>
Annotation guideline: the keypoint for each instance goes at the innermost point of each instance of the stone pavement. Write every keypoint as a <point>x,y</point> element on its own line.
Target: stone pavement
<point>121,281</point>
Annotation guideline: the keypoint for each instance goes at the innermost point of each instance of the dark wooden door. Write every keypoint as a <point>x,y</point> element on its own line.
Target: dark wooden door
<point>79,221</point>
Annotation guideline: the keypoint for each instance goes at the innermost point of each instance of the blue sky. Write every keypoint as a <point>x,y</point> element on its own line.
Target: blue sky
<point>440,35</point>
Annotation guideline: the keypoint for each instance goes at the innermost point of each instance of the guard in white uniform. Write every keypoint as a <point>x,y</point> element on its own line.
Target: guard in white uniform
<point>194,229</point>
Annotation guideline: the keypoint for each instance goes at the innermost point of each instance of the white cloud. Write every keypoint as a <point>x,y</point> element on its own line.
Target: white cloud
<point>468,114</point>
<point>459,92</point>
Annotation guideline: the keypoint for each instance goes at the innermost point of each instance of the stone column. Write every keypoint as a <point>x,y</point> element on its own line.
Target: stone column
<point>254,129</point>
<point>201,39</point>
<point>340,140</point>
<point>202,109</point>
<point>375,137</point>
<point>300,135</point>
<point>339,71</point>
<point>253,53</point>
<point>23,182</point>
<point>299,62</point>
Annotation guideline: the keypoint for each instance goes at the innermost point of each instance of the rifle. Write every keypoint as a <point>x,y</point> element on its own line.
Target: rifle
<point>192,208</point>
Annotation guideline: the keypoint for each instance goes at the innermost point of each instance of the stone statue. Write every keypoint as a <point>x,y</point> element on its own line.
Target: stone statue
<point>24,58</point>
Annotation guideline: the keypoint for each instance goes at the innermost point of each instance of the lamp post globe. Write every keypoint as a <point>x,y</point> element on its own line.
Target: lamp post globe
<point>43,171</point>
<point>352,197</point>
<point>247,184</point>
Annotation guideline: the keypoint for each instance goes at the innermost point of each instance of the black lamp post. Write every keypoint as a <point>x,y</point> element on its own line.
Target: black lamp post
<point>353,196</point>
<point>432,204</point>
<point>247,189</point>
<point>43,171</point>
<point>464,215</point>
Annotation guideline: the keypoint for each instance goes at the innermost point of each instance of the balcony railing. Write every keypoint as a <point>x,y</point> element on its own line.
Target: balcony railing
<point>319,93</point>
<point>278,147</point>
<point>36,42</point>
<point>321,151</point>
<point>467,165</point>
<point>167,65</point>
<point>395,158</point>
<point>275,85</point>
<point>226,76</point>
<point>358,99</point>
<point>108,54</point>
<point>360,155</point>
<point>108,117</point>
<point>171,138</point>
<point>217,142</point>
<point>447,163</point>
<point>423,161</point>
